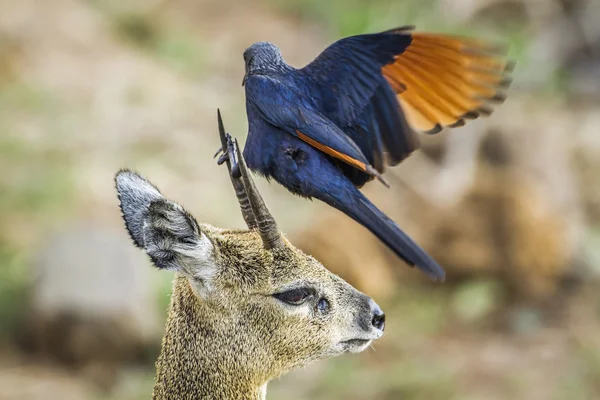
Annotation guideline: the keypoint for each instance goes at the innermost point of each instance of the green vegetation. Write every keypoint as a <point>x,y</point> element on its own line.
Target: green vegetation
<point>344,18</point>
<point>173,45</point>
<point>22,98</point>
<point>34,190</point>
<point>13,284</point>
<point>177,48</point>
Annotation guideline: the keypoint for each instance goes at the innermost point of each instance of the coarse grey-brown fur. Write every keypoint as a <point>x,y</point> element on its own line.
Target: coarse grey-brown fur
<point>227,335</point>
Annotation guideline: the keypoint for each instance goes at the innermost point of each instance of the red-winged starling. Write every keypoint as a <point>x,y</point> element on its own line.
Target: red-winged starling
<point>325,130</point>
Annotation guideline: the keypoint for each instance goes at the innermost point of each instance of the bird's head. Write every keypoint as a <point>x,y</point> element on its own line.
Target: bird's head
<point>262,56</point>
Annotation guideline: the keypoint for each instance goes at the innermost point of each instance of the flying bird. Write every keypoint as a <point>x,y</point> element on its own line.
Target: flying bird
<point>325,130</point>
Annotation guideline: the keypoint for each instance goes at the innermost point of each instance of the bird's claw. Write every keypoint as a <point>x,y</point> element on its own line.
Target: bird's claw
<point>229,150</point>
<point>224,157</point>
<point>224,153</point>
<point>217,153</point>
<point>230,155</point>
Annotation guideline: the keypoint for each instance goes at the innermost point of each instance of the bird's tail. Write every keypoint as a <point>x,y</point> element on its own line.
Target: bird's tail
<point>368,215</point>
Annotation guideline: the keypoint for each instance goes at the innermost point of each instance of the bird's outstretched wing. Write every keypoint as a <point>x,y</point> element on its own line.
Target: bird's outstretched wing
<point>438,80</point>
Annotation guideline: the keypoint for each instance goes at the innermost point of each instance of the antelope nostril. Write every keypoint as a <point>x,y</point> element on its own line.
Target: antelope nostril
<point>379,320</point>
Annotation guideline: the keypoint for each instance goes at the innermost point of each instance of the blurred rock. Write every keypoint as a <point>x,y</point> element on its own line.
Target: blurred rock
<point>92,302</point>
<point>583,66</point>
<point>525,321</point>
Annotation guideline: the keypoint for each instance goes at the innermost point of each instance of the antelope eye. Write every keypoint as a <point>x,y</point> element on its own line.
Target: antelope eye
<point>323,305</point>
<point>294,297</point>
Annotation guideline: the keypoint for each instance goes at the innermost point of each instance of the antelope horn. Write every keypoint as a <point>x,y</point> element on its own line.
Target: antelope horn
<point>269,232</point>
<point>252,205</point>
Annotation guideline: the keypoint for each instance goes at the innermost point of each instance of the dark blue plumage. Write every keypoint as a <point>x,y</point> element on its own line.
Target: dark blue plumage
<point>325,130</point>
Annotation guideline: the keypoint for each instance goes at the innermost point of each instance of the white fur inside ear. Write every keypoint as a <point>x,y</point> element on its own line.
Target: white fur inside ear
<point>198,262</point>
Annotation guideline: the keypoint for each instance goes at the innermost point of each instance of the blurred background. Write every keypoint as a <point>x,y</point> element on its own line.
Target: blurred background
<point>509,205</point>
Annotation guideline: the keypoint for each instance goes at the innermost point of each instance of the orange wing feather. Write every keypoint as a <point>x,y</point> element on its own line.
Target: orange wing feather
<point>334,153</point>
<point>441,80</point>
<point>368,169</point>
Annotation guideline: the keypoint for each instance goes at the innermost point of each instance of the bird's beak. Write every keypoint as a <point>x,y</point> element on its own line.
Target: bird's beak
<point>244,80</point>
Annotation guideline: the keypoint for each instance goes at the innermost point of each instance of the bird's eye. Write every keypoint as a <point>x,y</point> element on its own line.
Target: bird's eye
<point>294,297</point>
<point>323,305</point>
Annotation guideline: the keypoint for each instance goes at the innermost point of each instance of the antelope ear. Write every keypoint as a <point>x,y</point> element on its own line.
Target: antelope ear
<point>174,241</point>
<point>135,194</point>
<point>165,230</point>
